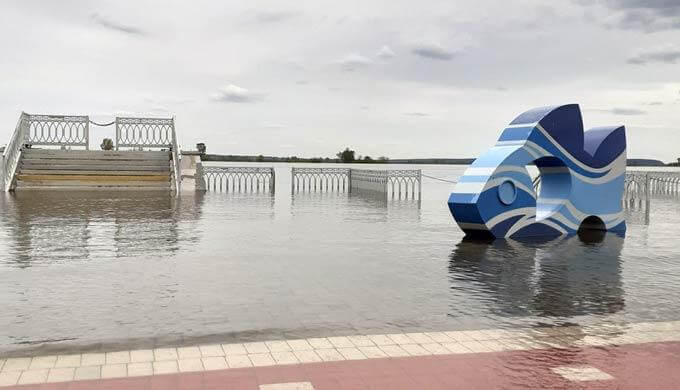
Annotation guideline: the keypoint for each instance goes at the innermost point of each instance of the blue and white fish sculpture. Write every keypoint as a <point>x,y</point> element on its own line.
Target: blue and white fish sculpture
<point>581,178</point>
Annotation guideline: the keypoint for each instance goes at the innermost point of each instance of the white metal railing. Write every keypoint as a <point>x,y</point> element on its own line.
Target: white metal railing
<point>58,130</point>
<point>144,132</point>
<point>319,179</point>
<point>399,183</point>
<point>12,152</point>
<point>239,179</point>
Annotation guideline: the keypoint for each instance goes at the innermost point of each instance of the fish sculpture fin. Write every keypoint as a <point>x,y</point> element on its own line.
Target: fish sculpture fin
<point>604,144</point>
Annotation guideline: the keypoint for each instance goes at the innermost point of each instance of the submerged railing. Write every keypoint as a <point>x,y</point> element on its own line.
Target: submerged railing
<point>68,131</point>
<point>238,179</point>
<point>320,179</point>
<point>398,183</point>
<point>643,185</point>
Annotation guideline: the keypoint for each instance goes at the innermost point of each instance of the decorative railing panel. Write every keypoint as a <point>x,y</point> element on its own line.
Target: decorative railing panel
<point>320,179</point>
<point>239,179</point>
<point>404,183</point>
<point>144,132</point>
<point>400,183</point>
<point>58,130</point>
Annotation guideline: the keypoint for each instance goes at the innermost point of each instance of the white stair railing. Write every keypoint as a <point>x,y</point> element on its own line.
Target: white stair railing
<point>12,152</point>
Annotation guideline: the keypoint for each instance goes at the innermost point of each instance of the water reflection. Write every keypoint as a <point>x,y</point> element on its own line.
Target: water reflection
<point>565,277</point>
<point>60,226</point>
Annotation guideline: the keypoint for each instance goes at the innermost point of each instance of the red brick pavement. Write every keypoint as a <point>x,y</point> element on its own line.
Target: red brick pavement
<point>637,366</point>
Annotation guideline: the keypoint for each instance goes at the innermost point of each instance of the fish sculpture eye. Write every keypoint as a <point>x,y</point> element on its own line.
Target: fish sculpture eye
<point>507,192</point>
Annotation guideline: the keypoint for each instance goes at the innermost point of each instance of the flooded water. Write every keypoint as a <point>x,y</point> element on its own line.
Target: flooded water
<point>98,269</point>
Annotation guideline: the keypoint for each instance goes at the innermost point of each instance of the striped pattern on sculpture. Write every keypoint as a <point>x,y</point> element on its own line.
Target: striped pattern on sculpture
<point>582,178</point>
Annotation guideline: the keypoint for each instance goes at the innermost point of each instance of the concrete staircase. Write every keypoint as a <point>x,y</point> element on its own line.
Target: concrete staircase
<point>93,169</point>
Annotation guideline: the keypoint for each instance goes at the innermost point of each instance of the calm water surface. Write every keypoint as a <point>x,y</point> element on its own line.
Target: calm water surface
<point>94,270</point>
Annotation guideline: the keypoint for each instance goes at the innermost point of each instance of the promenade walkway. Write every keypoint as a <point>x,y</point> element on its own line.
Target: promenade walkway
<point>635,356</point>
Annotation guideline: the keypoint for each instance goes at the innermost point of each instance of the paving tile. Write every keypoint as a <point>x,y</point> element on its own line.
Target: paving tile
<point>373,352</point>
<point>88,372</point>
<point>400,338</point>
<point>495,345</point>
<point>257,347</point>
<point>64,361</point>
<point>192,364</point>
<point>393,350</point>
<point>16,364</point>
<point>215,363</point>
<point>435,349</point>
<point>278,346</point>
<point>9,378</point>
<point>288,386</point>
<point>581,373</point>
<point>459,336</point>
<point>161,354</point>
<point>238,361</point>
<point>63,374</point>
<point>118,357</point>
<point>419,338</point>
<point>212,350</point>
<point>475,346</point>
<point>381,339</point>
<point>141,355</point>
<point>234,349</point>
<point>42,362</point>
<point>165,367</point>
<point>188,352</point>
<point>284,358</point>
<point>307,356</point>
<point>415,350</point>
<point>340,342</point>
<point>140,369</point>
<point>93,359</point>
<point>361,341</point>
<point>299,345</point>
<point>329,354</point>
<point>351,353</point>
<point>118,370</point>
<point>33,376</point>
<point>320,342</point>
<point>439,337</point>
<point>261,359</point>
<point>456,347</point>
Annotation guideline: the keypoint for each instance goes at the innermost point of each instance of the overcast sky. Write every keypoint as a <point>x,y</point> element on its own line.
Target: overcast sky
<point>385,77</point>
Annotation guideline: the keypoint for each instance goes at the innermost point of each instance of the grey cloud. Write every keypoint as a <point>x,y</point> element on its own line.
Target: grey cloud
<point>626,111</point>
<point>115,26</point>
<point>432,51</point>
<point>654,103</point>
<point>416,113</point>
<point>668,56</point>
<point>643,15</point>
<point>235,94</point>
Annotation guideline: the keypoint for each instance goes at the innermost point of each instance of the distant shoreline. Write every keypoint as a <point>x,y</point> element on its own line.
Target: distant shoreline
<point>633,162</point>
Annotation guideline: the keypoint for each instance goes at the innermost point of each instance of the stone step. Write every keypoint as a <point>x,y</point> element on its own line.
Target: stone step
<point>94,162</point>
<point>89,167</point>
<point>96,154</point>
<point>92,172</point>
<point>89,186</point>
<point>91,183</point>
<point>94,178</point>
